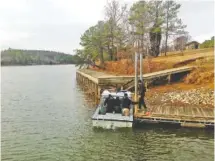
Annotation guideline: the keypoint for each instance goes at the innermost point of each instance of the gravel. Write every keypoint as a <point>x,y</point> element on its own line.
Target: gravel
<point>199,97</point>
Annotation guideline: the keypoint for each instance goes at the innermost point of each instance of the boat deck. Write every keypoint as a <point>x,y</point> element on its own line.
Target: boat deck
<point>112,117</point>
<point>112,120</point>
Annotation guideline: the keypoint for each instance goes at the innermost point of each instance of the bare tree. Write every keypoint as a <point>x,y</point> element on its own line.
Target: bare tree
<point>114,13</point>
<point>173,25</point>
<point>156,10</point>
<point>140,20</point>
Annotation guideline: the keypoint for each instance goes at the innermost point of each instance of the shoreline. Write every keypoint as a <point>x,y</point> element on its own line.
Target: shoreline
<point>33,65</point>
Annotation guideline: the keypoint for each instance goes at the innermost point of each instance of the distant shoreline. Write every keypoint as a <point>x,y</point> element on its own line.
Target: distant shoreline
<point>11,65</point>
<point>21,57</point>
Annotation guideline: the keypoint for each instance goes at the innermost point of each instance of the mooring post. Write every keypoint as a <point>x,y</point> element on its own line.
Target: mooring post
<point>135,67</point>
<point>141,66</point>
<point>169,78</point>
<point>135,86</point>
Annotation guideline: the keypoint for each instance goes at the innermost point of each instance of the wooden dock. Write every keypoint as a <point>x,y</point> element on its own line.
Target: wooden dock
<point>184,116</point>
<point>93,81</point>
<point>114,79</point>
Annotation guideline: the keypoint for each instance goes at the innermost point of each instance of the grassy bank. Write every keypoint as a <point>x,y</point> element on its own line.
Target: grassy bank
<point>202,59</point>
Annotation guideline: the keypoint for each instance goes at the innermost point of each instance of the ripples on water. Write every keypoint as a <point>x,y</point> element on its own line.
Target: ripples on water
<point>45,116</point>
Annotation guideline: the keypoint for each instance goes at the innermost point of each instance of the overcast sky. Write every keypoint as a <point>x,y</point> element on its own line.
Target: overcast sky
<point>58,24</point>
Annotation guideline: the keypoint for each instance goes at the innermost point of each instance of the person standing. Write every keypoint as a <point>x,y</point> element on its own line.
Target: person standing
<point>142,91</point>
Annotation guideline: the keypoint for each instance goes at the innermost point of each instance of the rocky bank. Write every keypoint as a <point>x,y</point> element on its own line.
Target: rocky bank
<point>200,97</point>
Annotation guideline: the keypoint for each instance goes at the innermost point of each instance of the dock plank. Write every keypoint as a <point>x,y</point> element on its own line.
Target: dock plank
<point>181,110</point>
<point>194,110</point>
<point>209,111</point>
<point>105,78</point>
<point>188,114</point>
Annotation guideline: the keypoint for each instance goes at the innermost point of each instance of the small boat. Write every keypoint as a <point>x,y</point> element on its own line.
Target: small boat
<point>112,120</point>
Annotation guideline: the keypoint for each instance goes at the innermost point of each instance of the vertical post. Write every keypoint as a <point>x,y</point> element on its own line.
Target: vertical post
<point>169,78</point>
<point>141,66</point>
<point>97,93</point>
<point>136,45</point>
<point>135,67</point>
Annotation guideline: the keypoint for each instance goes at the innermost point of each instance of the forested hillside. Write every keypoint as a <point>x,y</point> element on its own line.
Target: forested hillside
<point>144,23</point>
<point>36,57</point>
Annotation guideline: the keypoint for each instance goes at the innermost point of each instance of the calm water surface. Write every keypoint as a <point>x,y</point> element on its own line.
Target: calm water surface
<point>45,116</point>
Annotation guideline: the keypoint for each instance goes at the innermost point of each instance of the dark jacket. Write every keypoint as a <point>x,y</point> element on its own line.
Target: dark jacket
<point>117,102</point>
<point>142,90</point>
<point>126,102</point>
<point>110,104</point>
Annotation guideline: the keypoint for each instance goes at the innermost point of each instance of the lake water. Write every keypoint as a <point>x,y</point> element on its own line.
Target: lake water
<point>45,116</point>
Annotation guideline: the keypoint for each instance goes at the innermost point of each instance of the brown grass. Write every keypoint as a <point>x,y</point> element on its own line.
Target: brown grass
<point>203,59</point>
<point>188,52</point>
<point>126,66</point>
<point>204,73</point>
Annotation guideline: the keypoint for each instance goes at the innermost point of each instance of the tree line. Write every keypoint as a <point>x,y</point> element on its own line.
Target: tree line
<point>145,23</point>
<point>36,57</point>
<point>208,43</point>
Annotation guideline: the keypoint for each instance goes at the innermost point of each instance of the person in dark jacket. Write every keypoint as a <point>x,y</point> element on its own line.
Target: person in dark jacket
<point>117,105</point>
<point>142,91</point>
<point>126,102</point>
<point>109,101</point>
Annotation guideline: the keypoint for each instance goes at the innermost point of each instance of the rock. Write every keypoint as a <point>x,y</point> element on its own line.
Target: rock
<point>199,96</point>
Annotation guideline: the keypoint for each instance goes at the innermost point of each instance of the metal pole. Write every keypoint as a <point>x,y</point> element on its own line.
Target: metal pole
<point>141,66</point>
<point>135,67</point>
